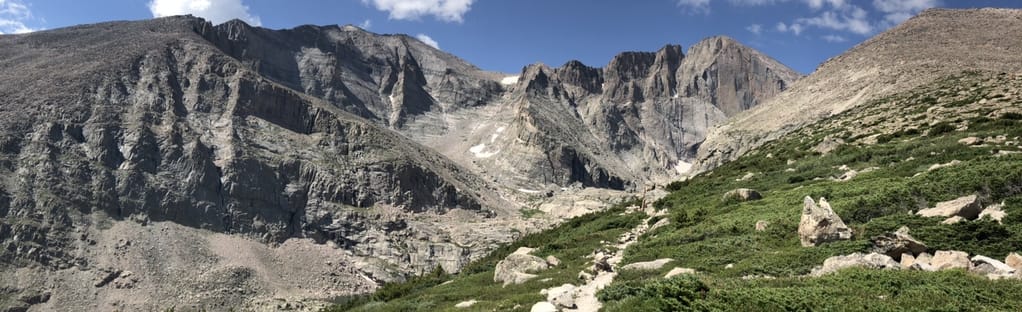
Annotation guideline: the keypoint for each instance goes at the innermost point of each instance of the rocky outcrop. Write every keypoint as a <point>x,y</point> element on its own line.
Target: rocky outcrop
<point>819,224</point>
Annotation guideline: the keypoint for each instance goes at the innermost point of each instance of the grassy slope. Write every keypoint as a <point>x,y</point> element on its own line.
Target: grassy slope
<point>902,136</point>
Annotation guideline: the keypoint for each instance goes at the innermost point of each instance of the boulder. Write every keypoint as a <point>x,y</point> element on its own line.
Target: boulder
<point>647,265</point>
<point>679,271</point>
<point>924,258</point>
<point>986,266</point>
<point>907,260</point>
<point>946,260</point>
<point>820,224</point>
<point>465,304</point>
<point>742,195</point>
<point>516,267</point>
<point>762,225</point>
<point>923,267</point>
<point>562,296</point>
<point>947,164</point>
<point>1014,260</point>
<point>897,243</point>
<point>966,207</point>
<point>543,306</point>
<point>872,261</point>
<point>994,212</point>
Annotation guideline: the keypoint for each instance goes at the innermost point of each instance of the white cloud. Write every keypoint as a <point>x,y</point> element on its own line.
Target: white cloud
<point>427,40</point>
<point>897,11</point>
<point>13,15</point>
<point>794,28</point>
<point>216,11</point>
<point>755,28</point>
<point>849,18</point>
<point>444,10</point>
<point>695,6</point>
<point>366,24</point>
<point>833,38</point>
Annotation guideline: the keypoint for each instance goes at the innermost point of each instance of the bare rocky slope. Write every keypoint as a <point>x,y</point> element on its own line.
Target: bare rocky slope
<point>932,45</point>
<point>170,162</point>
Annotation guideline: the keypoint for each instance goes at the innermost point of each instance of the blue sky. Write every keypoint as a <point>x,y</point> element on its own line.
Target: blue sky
<point>505,35</point>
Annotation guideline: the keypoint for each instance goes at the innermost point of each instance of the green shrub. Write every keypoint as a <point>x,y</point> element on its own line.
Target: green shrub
<point>941,128</point>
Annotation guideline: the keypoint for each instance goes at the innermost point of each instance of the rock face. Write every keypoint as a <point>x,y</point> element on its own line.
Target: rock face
<point>872,261</point>
<point>518,267</point>
<point>819,224</point>
<point>742,195</point>
<point>897,60</point>
<point>967,207</point>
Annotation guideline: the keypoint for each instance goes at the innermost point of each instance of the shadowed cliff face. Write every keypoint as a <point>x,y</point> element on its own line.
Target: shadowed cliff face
<point>170,128</point>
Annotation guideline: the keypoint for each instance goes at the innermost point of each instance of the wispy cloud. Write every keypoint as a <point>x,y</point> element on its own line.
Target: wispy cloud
<point>897,11</point>
<point>13,16</point>
<point>443,10</point>
<point>834,38</point>
<point>366,24</point>
<point>427,40</point>
<point>695,6</point>
<point>216,11</point>
<point>755,28</point>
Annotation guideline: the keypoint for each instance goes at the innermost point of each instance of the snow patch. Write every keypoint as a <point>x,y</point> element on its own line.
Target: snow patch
<point>501,129</point>
<point>528,191</point>
<point>480,151</point>
<point>682,167</point>
<point>509,80</point>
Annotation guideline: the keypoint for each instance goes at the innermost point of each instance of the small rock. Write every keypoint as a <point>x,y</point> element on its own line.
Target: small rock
<point>543,306</point>
<point>552,261</point>
<point>746,177</point>
<point>970,140</point>
<point>820,224</point>
<point>947,164</point>
<point>601,264</point>
<point>946,260</point>
<point>585,276</point>
<point>647,265</point>
<point>729,266</point>
<point>465,304</point>
<point>967,207</point>
<point>678,271</point>
<point>762,225</point>
<point>923,267</point>
<point>1014,260</point>
<point>742,195</point>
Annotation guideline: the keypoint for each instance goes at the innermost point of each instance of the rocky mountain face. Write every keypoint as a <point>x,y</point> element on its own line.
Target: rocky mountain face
<point>932,45</point>
<point>638,119</point>
<point>171,161</point>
